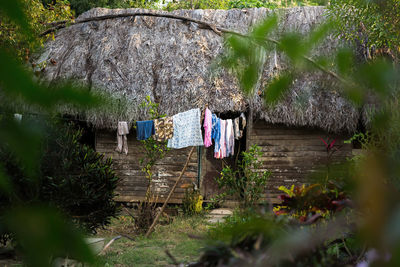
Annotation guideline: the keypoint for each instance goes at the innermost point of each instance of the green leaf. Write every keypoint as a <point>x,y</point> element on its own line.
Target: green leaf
<point>292,45</point>
<point>24,142</point>
<point>379,76</point>
<point>277,88</point>
<point>16,82</point>
<point>42,233</point>
<point>5,182</point>
<point>13,9</point>
<point>249,79</point>
<point>318,34</point>
<point>239,45</point>
<point>344,61</point>
<point>262,30</point>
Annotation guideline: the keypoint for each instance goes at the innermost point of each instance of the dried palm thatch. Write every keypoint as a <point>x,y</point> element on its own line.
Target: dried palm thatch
<point>170,61</point>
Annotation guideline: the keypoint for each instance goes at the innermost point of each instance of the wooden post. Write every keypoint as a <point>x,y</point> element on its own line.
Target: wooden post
<point>170,193</point>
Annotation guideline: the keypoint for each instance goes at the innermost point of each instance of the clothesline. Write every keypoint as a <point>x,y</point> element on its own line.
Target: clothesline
<point>184,130</point>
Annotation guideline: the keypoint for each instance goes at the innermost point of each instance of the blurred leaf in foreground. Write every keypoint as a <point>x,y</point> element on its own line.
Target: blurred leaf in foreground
<point>44,234</point>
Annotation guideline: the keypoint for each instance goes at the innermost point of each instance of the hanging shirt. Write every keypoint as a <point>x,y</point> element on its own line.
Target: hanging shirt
<point>207,127</point>
<point>144,129</point>
<point>122,140</point>
<point>222,145</point>
<point>216,132</point>
<point>187,129</point>
<point>229,138</point>
<point>164,129</point>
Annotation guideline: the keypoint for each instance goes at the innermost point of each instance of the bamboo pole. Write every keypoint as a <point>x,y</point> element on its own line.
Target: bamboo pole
<point>170,193</point>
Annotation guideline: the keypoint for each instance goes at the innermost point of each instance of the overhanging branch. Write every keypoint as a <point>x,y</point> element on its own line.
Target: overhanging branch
<point>203,24</point>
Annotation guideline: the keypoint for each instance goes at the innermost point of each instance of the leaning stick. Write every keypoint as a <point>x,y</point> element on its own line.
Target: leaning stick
<point>170,193</point>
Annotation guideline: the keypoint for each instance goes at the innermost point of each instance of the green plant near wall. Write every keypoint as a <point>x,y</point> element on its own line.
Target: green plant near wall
<point>153,149</point>
<point>245,183</point>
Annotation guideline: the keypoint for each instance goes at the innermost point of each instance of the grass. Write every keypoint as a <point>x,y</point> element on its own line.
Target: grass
<point>151,251</point>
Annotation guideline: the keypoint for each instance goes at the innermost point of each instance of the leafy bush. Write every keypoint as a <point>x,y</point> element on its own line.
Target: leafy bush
<point>16,41</point>
<point>73,177</point>
<point>245,183</point>
<point>303,202</point>
<point>375,24</point>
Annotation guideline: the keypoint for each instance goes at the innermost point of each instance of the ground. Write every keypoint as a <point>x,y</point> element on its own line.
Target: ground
<point>151,251</point>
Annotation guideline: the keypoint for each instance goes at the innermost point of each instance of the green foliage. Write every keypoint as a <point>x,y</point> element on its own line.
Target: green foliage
<point>39,231</point>
<point>303,202</point>
<point>81,6</point>
<point>78,180</point>
<point>372,23</point>
<point>240,234</point>
<point>33,16</point>
<point>228,4</point>
<point>72,177</point>
<point>246,183</point>
<point>46,235</point>
<point>192,202</point>
<point>376,176</point>
<point>154,150</point>
<point>216,201</point>
<point>197,4</point>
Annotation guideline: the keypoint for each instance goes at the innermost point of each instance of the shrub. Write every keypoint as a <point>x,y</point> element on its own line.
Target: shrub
<point>245,183</point>
<point>73,177</point>
<point>302,202</point>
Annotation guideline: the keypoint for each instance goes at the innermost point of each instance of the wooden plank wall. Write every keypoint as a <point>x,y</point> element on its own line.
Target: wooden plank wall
<point>133,184</point>
<point>292,153</point>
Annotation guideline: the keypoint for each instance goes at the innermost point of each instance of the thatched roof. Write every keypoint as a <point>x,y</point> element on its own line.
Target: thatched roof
<point>170,61</point>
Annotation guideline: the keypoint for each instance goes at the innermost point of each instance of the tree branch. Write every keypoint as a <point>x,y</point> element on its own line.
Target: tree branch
<point>205,25</point>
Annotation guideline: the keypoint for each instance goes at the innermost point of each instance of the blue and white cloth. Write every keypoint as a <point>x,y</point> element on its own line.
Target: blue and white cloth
<point>187,130</point>
<point>216,132</point>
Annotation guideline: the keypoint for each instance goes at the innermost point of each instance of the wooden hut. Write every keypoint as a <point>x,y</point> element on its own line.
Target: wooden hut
<point>174,62</point>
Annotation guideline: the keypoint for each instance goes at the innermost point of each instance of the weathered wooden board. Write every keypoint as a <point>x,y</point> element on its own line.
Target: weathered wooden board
<point>293,153</point>
<point>133,182</point>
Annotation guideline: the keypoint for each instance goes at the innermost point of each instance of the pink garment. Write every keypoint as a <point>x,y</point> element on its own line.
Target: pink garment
<point>229,138</point>
<point>222,151</point>
<point>207,127</point>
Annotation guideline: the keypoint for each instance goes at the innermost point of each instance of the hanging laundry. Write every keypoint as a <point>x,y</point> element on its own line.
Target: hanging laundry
<point>164,129</point>
<point>216,132</point>
<point>229,138</point>
<point>236,128</point>
<point>207,127</point>
<point>144,129</point>
<point>122,140</point>
<point>222,149</point>
<point>239,125</point>
<point>187,129</point>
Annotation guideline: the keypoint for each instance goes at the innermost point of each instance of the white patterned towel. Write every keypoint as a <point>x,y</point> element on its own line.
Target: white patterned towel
<point>187,129</point>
